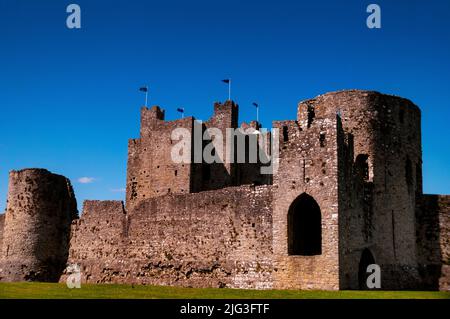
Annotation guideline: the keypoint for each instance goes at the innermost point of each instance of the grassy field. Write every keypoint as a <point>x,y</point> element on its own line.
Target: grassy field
<point>108,291</point>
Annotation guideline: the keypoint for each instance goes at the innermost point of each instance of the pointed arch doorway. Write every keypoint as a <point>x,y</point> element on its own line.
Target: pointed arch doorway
<point>304,227</point>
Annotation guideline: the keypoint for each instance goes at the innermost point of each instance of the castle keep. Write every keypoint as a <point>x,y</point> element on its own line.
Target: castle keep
<point>347,193</point>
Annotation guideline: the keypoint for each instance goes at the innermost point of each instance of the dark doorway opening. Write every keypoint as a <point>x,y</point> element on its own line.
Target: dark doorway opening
<point>304,227</point>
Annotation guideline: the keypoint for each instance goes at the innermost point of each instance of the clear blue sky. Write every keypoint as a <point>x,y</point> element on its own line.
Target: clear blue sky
<point>69,98</point>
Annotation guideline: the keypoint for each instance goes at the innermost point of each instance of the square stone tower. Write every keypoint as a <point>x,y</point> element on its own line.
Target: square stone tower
<point>150,169</point>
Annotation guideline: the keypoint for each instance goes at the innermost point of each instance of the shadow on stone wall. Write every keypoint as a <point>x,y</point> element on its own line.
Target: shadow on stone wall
<point>428,231</point>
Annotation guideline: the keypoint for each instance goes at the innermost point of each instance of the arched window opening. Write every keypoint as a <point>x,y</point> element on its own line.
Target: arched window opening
<point>304,227</point>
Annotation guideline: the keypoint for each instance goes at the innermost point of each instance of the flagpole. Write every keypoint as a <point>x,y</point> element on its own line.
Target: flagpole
<point>229,90</point>
<point>257,111</point>
<point>257,114</point>
<point>146,94</point>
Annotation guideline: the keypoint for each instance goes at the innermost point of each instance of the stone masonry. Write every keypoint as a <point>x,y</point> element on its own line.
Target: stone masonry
<point>347,193</point>
<point>35,229</point>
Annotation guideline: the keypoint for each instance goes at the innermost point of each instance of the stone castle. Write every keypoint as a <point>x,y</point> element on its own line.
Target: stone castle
<point>347,193</point>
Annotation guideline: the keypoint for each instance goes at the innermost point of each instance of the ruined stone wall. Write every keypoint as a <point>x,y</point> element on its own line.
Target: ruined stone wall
<point>257,148</point>
<point>308,164</point>
<point>217,238</point>
<point>222,174</point>
<point>433,241</point>
<point>97,239</point>
<point>40,209</point>
<point>356,155</point>
<point>237,168</point>
<point>151,172</point>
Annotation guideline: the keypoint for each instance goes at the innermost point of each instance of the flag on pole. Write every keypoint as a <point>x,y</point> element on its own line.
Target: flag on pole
<point>228,81</point>
<point>181,110</point>
<point>257,111</point>
<point>145,90</point>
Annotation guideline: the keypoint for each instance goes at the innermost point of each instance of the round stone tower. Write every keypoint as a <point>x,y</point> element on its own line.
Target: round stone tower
<point>384,127</point>
<point>40,209</point>
<point>380,179</point>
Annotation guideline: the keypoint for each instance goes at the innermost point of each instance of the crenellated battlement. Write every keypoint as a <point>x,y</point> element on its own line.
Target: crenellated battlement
<point>152,172</point>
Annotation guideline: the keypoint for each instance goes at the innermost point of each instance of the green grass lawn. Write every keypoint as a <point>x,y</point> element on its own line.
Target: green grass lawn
<point>108,291</point>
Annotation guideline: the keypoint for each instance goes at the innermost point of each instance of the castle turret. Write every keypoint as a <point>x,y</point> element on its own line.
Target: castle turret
<point>352,158</point>
<point>151,171</point>
<point>40,209</point>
